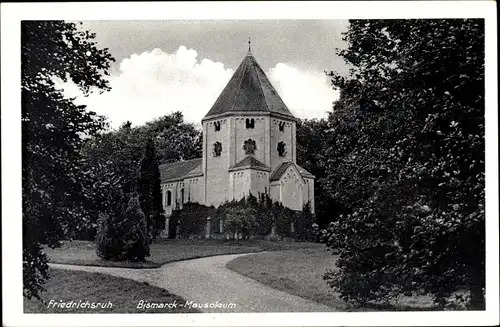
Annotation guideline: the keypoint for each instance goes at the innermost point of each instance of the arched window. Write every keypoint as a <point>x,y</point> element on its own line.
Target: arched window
<point>217,126</point>
<point>281,149</point>
<point>249,146</point>
<point>182,195</point>
<point>169,198</point>
<point>282,126</point>
<point>250,123</point>
<point>217,149</point>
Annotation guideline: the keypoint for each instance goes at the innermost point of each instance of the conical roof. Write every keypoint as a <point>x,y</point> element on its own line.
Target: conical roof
<point>249,90</point>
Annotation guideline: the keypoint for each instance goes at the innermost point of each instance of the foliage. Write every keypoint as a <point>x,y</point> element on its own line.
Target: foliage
<point>149,188</point>
<point>115,157</point>
<point>55,187</point>
<point>250,217</point>
<point>135,233</point>
<point>123,235</point>
<point>406,161</point>
<point>192,219</point>
<point>312,156</point>
<point>303,224</point>
<point>240,219</point>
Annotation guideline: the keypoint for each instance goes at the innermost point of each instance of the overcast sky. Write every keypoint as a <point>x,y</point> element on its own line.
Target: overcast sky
<point>165,66</point>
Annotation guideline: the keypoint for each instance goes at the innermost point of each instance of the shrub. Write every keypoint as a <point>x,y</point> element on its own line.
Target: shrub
<point>136,236</point>
<point>303,224</point>
<point>122,233</point>
<point>240,219</point>
<point>192,219</point>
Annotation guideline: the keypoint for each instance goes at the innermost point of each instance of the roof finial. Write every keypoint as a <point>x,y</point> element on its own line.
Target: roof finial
<point>249,42</point>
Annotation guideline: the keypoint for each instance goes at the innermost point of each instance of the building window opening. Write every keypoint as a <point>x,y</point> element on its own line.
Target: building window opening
<point>249,146</point>
<point>182,195</point>
<point>250,123</point>
<point>217,126</point>
<point>169,198</point>
<point>281,149</point>
<point>217,149</point>
<point>281,126</point>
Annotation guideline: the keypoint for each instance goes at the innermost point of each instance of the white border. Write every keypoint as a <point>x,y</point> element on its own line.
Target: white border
<point>13,13</point>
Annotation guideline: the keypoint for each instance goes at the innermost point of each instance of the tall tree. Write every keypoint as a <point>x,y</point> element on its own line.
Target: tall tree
<point>53,129</point>
<point>311,155</point>
<point>407,161</point>
<point>149,189</point>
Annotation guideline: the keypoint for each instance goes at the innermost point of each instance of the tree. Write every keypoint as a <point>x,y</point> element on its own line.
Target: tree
<point>114,158</point>
<point>406,161</point>
<point>122,232</point>
<point>149,189</point>
<point>53,129</point>
<point>312,156</point>
<point>304,224</point>
<point>135,232</point>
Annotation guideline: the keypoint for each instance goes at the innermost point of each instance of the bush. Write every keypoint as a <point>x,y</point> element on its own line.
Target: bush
<point>240,219</point>
<point>135,229</point>
<point>303,224</point>
<point>122,233</point>
<point>192,219</point>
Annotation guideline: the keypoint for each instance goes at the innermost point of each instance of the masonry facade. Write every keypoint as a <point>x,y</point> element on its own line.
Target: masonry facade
<point>249,146</point>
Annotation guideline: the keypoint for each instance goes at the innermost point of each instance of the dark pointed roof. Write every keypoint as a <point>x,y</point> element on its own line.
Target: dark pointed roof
<point>249,90</point>
<point>179,170</point>
<point>249,162</point>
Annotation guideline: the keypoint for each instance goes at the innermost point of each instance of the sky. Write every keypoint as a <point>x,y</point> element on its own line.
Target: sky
<point>167,66</point>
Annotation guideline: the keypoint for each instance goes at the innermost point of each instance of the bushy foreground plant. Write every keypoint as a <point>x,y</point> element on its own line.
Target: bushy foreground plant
<point>406,161</point>
<point>122,233</point>
<point>191,219</point>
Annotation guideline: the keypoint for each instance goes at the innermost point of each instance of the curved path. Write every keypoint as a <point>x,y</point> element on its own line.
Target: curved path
<point>207,280</point>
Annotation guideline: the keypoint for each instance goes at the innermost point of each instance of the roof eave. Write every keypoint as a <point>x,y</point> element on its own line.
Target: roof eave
<point>250,113</point>
<point>249,167</point>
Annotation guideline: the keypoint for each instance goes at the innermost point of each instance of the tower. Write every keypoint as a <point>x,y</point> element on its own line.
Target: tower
<point>248,132</point>
<point>249,147</point>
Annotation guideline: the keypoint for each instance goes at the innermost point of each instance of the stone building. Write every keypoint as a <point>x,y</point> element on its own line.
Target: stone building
<point>249,146</point>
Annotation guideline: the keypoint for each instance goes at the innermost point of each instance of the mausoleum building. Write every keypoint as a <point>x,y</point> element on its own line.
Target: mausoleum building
<point>249,146</point>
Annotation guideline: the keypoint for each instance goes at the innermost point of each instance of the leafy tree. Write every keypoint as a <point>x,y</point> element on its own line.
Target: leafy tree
<point>116,156</point>
<point>149,188</point>
<point>53,128</point>
<point>312,156</point>
<point>175,139</point>
<point>406,161</point>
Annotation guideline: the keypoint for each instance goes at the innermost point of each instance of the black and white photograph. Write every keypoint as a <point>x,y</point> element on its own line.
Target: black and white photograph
<point>249,166</point>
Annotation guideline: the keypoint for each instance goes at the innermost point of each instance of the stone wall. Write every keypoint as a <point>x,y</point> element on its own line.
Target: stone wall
<point>240,184</point>
<point>259,134</point>
<point>259,182</point>
<point>216,167</point>
<point>287,136</point>
<point>292,188</point>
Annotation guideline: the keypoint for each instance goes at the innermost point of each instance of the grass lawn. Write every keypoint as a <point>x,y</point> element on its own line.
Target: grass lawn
<point>164,251</point>
<point>299,272</point>
<point>124,294</point>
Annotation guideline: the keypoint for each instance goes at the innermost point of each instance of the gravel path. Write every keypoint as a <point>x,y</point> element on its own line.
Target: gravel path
<point>207,280</point>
